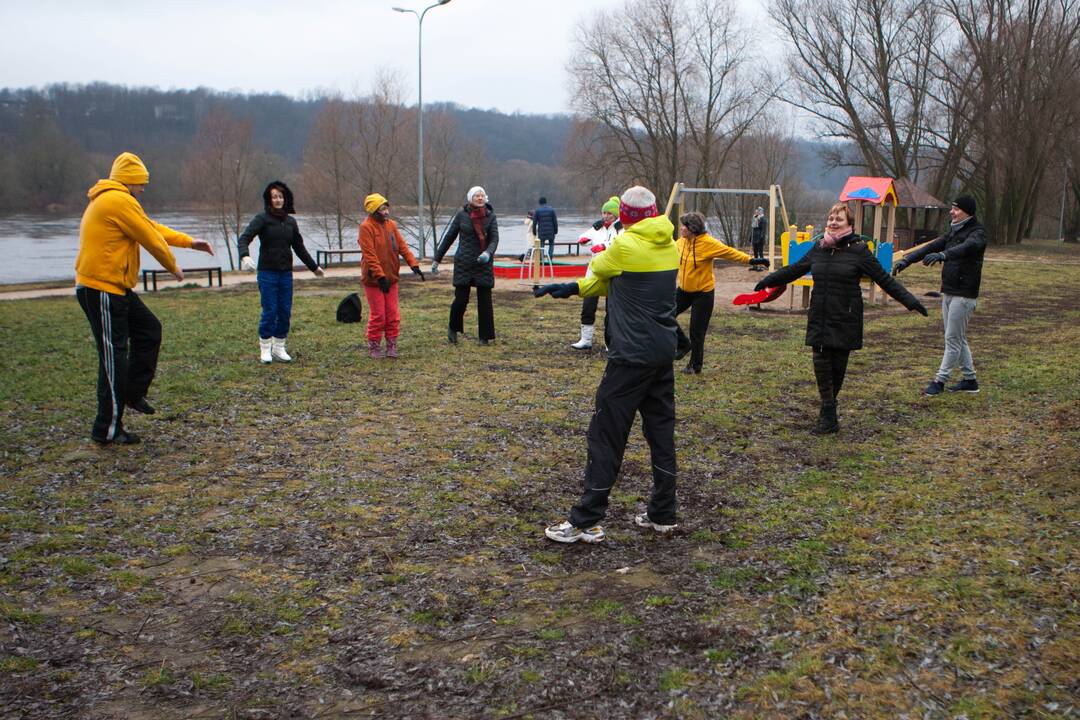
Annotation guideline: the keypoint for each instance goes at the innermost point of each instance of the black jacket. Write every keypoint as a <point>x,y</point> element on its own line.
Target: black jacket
<point>964,247</point>
<point>467,271</point>
<point>835,319</point>
<point>545,222</point>
<point>278,236</point>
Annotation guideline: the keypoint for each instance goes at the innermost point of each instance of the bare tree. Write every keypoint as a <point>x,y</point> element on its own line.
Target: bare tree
<point>329,174</point>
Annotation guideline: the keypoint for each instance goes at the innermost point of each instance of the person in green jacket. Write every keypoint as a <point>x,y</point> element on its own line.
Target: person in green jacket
<point>637,274</point>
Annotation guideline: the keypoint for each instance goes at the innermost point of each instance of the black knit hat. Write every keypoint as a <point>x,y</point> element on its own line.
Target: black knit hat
<point>965,203</point>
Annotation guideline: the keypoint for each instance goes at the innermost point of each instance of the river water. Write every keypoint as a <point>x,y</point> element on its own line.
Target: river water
<point>44,247</point>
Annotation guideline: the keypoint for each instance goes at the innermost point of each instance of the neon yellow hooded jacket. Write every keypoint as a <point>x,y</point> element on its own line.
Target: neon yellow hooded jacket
<point>113,227</point>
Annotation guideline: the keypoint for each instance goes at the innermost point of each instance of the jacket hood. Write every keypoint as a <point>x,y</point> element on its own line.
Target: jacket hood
<point>657,230</point>
<point>288,207</point>
<point>128,169</point>
<point>103,186</point>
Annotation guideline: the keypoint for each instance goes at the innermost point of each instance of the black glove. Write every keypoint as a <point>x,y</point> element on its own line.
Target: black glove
<point>760,286</point>
<point>557,290</point>
<point>920,308</point>
<point>933,258</point>
<point>759,261</point>
<point>417,271</point>
<point>900,265</point>
<point>384,284</point>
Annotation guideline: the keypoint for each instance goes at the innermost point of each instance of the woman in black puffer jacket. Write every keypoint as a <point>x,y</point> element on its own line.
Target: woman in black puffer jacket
<point>834,325</point>
<point>279,236</point>
<point>477,232</point>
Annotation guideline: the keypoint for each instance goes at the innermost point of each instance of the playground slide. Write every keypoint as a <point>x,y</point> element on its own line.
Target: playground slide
<point>761,296</point>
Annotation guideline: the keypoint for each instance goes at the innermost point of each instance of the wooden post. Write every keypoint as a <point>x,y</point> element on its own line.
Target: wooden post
<point>772,226</point>
<point>878,212</point>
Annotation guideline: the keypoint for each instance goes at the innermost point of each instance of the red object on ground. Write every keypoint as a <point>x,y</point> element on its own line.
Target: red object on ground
<point>761,296</point>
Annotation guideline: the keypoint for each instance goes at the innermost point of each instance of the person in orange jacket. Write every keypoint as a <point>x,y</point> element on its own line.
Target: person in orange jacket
<point>128,336</point>
<point>382,244</point>
<point>696,283</point>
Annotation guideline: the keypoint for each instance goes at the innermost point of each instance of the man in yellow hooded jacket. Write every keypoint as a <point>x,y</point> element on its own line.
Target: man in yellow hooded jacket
<point>128,336</point>
<point>637,274</point>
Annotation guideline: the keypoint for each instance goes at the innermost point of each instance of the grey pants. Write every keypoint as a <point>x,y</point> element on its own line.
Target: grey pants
<point>956,311</point>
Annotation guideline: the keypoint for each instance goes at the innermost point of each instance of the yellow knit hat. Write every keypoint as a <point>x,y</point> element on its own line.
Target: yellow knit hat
<point>373,202</point>
<point>127,168</point>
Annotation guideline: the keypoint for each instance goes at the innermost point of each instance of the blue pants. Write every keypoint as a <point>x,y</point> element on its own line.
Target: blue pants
<point>275,290</point>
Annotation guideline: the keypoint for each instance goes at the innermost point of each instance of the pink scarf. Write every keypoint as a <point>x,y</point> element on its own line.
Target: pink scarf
<point>830,241</point>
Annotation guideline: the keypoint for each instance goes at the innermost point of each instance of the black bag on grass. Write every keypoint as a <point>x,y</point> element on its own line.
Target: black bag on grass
<point>349,310</point>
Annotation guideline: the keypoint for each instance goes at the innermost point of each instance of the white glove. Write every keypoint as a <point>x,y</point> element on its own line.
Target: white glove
<point>247,264</point>
<point>434,268</point>
<point>483,258</point>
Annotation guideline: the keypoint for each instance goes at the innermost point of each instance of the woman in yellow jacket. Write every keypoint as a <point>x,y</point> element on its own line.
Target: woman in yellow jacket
<point>128,336</point>
<point>696,284</point>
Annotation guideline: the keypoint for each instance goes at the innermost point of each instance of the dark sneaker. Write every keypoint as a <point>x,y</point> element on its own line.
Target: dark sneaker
<point>934,388</point>
<point>141,406</point>
<point>968,386</point>
<point>451,335</point>
<point>564,532</point>
<point>691,370</point>
<point>122,438</point>
<point>643,520</point>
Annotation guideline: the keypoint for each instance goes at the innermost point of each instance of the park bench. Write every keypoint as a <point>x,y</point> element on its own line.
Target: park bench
<point>152,275</point>
<point>322,257</point>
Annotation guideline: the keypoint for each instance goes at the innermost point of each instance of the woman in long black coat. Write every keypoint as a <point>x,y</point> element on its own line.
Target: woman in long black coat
<point>477,232</point>
<point>834,325</point>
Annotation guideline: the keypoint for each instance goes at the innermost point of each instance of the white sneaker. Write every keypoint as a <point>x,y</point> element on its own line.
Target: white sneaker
<point>586,340</point>
<point>277,349</point>
<point>564,532</point>
<point>643,520</point>
<point>265,351</point>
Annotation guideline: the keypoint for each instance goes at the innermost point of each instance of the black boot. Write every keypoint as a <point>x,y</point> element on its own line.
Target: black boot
<point>827,422</point>
<point>451,335</point>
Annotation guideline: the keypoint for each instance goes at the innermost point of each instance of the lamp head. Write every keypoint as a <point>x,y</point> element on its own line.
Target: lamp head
<point>399,9</point>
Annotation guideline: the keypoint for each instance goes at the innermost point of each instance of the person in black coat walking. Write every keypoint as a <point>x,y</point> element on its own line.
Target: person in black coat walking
<point>477,231</point>
<point>279,237</point>
<point>834,325</point>
<point>960,251</point>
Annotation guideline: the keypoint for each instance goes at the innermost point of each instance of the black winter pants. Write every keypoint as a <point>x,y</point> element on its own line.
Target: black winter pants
<point>758,247</point>
<point>588,309</point>
<point>624,391</point>
<point>128,338</point>
<point>701,309</point>
<point>485,313</point>
<point>830,366</point>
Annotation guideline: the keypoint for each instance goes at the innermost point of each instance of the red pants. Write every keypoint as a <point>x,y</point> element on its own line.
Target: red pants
<point>384,318</point>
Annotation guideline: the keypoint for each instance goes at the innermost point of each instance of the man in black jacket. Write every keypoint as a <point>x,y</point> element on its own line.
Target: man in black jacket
<point>961,251</point>
<point>546,225</point>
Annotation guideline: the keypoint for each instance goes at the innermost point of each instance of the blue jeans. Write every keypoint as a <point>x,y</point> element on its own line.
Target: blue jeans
<point>275,291</point>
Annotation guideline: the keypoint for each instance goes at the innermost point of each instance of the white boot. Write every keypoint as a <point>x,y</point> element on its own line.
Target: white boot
<point>264,351</point>
<point>278,350</point>
<point>586,338</point>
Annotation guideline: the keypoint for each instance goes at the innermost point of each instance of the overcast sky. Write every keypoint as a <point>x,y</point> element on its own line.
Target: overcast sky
<point>505,54</point>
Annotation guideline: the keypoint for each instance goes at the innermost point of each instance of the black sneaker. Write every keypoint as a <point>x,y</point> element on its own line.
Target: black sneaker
<point>691,370</point>
<point>968,386</point>
<point>451,335</point>
<point>121,438</point>
<point>141,406</point>
<point>934,388</point>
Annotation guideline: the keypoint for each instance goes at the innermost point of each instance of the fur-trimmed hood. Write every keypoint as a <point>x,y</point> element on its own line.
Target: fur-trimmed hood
<point>288,207</point>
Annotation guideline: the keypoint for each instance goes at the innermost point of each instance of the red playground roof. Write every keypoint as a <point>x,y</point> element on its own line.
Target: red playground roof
<point>872,190</point>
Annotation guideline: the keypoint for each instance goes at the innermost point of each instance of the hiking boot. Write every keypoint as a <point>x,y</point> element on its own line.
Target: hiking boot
<point>564,532</point>
<point>374,348</point>
<point>643,520</point>
<point>391,347</point>
<point>936,387</point>
<point>827,422</point>
<point>141,406</point>
<point>121,438</point>
<point>968,386</point>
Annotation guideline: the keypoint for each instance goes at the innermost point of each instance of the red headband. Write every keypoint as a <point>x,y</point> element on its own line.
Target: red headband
<point>630,215</point>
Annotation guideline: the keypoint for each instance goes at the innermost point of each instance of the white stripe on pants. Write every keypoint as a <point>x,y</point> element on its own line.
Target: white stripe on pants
<point>955,312</point>
<point>108,357</point>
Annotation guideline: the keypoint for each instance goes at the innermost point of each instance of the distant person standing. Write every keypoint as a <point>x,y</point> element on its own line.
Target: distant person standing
<point>960,250</point>
<point>546,225</point>
<point>128,336</point>
<point>477,231</point>
<point>758,225</point>
<point>380,270</point>
<point>597,237</point>
<point>279,236</point>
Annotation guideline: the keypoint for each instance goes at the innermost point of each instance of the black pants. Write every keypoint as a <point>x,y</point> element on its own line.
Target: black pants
<point>485,314</point>
<point>128,338</point>
<point>701,307</point>
<point>758,247</point>
<point>830,366</point>
<point>588,310</point>
<point>624,391</point>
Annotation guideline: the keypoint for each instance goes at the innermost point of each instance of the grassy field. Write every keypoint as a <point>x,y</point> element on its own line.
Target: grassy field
<point>345,537</point>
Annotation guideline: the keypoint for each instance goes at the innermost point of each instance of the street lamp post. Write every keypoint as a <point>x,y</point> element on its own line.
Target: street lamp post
<point>420,116</point>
